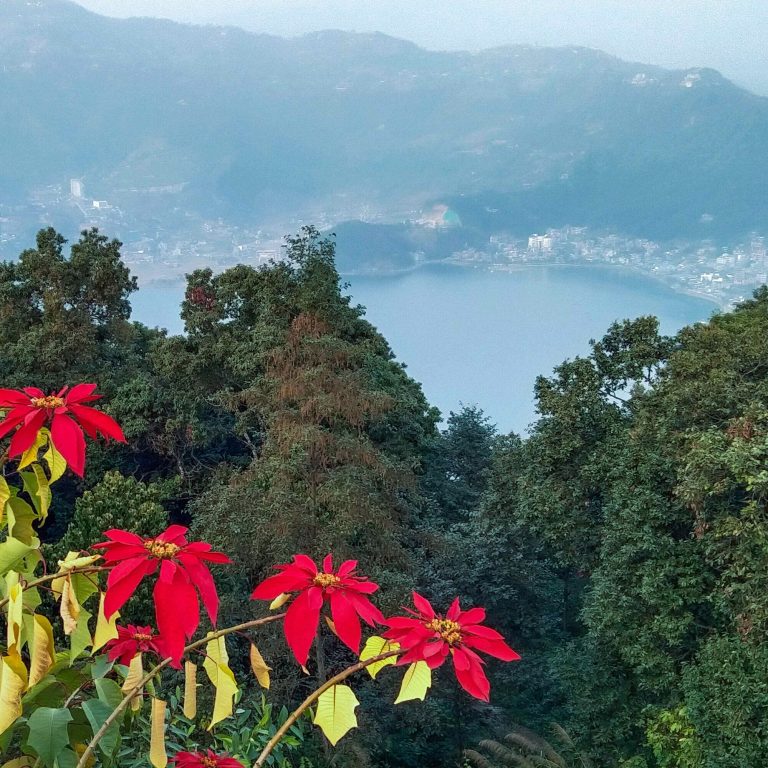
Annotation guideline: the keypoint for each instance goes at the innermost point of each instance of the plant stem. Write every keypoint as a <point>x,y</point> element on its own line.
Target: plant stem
<point>311,699</point>
<point>133,692</point>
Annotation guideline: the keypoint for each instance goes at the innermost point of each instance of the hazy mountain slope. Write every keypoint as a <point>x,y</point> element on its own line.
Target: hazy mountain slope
<point>253,124</point>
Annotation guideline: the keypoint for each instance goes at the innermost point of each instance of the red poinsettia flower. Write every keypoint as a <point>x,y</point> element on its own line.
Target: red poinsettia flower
<point>131,640</point>
<point>343,589</point>
<point>183,574</point>
<point>30,409</point>
<point>428,636</point>
<point>207,759</point>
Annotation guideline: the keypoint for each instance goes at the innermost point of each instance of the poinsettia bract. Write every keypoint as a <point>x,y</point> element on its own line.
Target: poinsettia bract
<point>430,637</point>
<point>64,413</point>
<point>344,590</point>
<point>183,574</point>
<point>131,640</point>
<point>206,759</point>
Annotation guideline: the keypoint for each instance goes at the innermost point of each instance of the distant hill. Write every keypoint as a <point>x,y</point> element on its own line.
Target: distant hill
<point>246,126</point>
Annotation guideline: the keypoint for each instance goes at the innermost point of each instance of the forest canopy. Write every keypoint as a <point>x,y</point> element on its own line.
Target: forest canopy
<point>621,546</point>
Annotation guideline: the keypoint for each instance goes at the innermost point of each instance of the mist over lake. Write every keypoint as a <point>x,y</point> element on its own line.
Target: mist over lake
<point>477,337</point>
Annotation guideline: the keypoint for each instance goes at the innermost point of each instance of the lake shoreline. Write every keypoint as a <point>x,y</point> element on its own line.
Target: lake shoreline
<point>500,267</point>
<point>509,268</point>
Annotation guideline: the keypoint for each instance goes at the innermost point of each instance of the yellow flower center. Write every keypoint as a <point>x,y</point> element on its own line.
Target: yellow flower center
<point>49,402</point>
<point>325,580</point>
<point>449,630</point>
<point>208,762</point>
<point>141,637</point>
<point>162,550</point>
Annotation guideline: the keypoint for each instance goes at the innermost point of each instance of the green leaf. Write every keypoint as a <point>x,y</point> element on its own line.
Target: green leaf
<point>67,759</point>
<point>32,487</point>
<point>101,666</point>
<point>80,638</point>
<point>109,692</point>
<point>84,585</point>
<point>15,555</point>
<point>43,491</point>
<point>97,713</point>
<point>48,733</point>
<point>20,517</point>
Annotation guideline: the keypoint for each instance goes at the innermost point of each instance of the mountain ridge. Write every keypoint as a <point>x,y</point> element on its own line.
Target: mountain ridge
<point>255,126</point>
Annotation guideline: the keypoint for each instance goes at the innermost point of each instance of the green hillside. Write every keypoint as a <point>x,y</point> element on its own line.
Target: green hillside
<point>254,126</point>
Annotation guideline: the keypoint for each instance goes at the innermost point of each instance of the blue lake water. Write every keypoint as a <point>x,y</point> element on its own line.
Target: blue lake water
<point>477,337</point>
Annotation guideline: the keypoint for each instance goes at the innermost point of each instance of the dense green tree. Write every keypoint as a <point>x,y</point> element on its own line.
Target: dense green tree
<point>67,316</point>
<point>646,476</point>
<point>334,427</point>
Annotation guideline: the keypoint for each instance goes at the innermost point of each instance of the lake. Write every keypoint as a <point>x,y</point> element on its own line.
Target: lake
<point>477,337</point>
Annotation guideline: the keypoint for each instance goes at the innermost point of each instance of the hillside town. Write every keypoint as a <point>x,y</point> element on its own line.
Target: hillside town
<point>162,242</point>
<point>724,274</point>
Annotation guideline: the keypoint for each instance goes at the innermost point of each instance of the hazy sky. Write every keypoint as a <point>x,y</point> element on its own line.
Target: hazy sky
<point>729,35</point>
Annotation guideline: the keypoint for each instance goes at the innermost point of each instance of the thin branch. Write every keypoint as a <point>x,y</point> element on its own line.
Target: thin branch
<point>52,576</point>
<point>311,699</point>
<point>133,692</point>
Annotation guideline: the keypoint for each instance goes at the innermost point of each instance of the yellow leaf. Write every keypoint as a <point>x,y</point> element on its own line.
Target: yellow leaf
<point>190,690</point>
<point>416,681</point>
<point>43,491</point>
<point>375,646</point>
<point>76,560</point>
<point>157,754</point>
<point>135,673</point>
<point>20,762</point>
<point>72,560</point>
<point>106,630</point>
<point>57,465</point>
<point>279,601</point>
<point>15,610</point>
<point>30,454</point>
<point>43,651</point>
<point>216,666</point>
<point>79,749</point>
<point>259,667</point>
<point>132,679</point>
<point>5,495</point>
<point>335,713</point>
<point>69,607</point>
<point>13,681</point>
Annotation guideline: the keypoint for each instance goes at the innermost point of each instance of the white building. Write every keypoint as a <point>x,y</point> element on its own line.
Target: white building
<point>540,243</point>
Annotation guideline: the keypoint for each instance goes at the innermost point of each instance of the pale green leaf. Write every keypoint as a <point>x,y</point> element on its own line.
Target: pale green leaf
<point>15,555</point>
<point>20,519</point>
<point>80,638</point>
<point>335,713</point>
<point>57,465</point>
<point>216,666</point>
<point>30,454</point>
<point>416,681</point>
<point>375,646</point>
